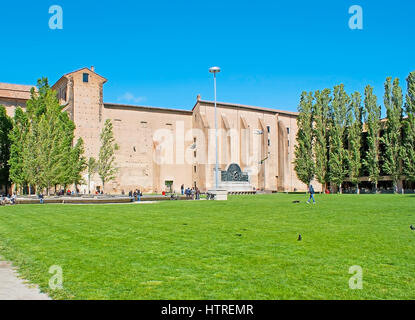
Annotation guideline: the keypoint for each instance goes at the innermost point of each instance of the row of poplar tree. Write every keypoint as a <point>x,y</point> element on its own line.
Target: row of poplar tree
<point>342,137</point>
<point>38,151</point>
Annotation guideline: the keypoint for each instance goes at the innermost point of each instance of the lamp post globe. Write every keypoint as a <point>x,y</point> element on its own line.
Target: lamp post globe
<point>214,69</point>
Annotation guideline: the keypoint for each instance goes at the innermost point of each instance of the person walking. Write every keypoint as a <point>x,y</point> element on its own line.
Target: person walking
<point>182,189</point>
<point>311,190</point>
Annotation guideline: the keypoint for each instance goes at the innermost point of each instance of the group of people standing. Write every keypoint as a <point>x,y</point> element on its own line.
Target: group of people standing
<point>191,193</point>
<point>136,195</point>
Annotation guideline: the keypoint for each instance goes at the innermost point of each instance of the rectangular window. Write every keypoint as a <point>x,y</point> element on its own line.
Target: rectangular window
<point>268,129</point>
<point>85,77</point>
<point>288,130</point>
<point>194,153</point>
<point>288,142</point>
<point>194,168</point>
<point>269,142</point>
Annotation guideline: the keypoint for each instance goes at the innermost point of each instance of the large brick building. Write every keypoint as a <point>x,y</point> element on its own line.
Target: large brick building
<point>164,148</point>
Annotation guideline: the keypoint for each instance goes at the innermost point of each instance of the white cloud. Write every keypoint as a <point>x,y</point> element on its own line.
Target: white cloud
<point>129,97</point>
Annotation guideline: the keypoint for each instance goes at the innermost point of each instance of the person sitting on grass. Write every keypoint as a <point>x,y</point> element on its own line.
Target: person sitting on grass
<point>311,190</point>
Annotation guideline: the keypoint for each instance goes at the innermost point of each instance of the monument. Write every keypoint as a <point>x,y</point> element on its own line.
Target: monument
<point>234,180</point>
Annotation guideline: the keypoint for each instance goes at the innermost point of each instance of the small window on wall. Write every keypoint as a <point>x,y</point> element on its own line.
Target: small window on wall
<point>85,77</point>
<point>269,142</point>
<point>288,130</point>
<point>194,168</point>
<point>268,129</point>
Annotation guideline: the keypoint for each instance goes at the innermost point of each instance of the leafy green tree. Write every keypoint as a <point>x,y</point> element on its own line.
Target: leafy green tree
<point>337,151</point>
<point>304,162</point>
<point>354,138</point>
<point>31,158</point>
<point>92,169</point>
<point>42,148</point>
<point>372,114</point>
<point>66,154</point>
<point>106,161</point>
<point>53,140</point>
<point>392,138</point>
<point>5,127</point>
<point>408,143</point>
<point>321,110</point>
<point>78,163</point>
<point>18,137</point>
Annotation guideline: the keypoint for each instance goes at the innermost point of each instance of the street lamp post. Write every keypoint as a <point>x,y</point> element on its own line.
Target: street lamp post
<point>262,162</point>
<point>215,70</point>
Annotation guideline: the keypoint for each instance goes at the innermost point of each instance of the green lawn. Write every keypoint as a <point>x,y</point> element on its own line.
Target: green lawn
<point>244,248</point>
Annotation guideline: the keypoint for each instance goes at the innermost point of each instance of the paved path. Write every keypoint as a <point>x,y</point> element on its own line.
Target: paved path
<point>14,288</point>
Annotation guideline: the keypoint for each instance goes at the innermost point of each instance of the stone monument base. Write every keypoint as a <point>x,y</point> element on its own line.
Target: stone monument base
<point>235,186</point>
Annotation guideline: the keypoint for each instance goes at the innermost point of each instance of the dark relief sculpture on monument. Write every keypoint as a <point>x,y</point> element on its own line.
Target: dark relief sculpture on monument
<point>234,173</point>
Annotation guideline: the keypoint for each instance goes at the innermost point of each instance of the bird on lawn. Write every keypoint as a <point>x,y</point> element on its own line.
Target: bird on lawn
<point>412,227</point>
<point>300,237</point>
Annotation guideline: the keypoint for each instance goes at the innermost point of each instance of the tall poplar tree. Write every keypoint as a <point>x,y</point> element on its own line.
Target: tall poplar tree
<point>78,163</point>
<point>337,151</point>
<point>372,114</point>
<point>18,137</point>
<point>5,127</point>
<point>92,169</point>
<point>354,138</point>
<point>392,138</point>
<point>321,122</point>
<point>106,162</point>
<point>408,144</point>
<point>304,161</point>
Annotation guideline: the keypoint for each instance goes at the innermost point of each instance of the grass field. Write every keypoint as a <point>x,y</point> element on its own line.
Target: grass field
<point>244,248</point>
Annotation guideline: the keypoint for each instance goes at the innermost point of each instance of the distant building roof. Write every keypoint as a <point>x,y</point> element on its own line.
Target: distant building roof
<point>145,108</point>
<point>235,105</point>
<point>15,91</point>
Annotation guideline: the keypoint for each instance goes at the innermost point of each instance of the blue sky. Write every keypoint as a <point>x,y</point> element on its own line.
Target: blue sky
<point>158,53</point>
